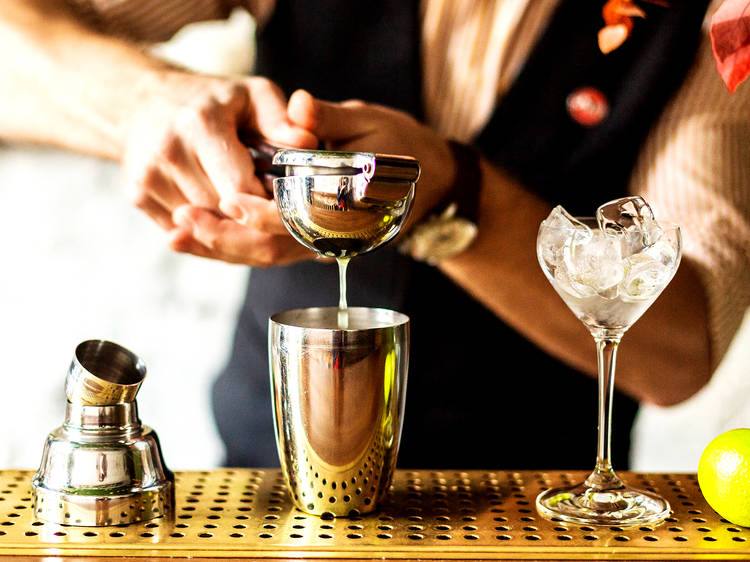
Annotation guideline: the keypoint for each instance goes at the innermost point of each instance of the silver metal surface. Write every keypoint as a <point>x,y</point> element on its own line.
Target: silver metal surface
<point>340,204</point>
<point>103,372</point>
<point>102,467</point>
<point>338,400</point>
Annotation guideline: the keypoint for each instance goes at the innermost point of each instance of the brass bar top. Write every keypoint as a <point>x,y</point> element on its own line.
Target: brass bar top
<point>427,515</point>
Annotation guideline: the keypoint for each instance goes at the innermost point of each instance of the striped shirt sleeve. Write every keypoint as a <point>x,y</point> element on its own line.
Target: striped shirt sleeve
<point>695,171</point>
<point>149,20</point>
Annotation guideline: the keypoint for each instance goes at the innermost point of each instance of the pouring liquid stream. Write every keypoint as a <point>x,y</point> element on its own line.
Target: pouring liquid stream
<point>343,314</point>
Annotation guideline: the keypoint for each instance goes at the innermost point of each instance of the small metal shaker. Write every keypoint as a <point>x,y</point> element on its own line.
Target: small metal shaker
<point>102,467</point>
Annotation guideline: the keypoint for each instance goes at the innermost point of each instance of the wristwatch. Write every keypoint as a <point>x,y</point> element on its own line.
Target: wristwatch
<point>452,226</point>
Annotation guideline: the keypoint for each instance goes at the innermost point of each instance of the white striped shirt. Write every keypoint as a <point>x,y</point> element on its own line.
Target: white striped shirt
<point>694,168</point>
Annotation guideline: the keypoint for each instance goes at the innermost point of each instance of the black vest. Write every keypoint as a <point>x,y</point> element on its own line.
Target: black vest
<point>479,394</point>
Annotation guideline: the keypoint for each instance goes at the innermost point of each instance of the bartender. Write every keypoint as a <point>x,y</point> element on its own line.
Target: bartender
<point>488,97</point>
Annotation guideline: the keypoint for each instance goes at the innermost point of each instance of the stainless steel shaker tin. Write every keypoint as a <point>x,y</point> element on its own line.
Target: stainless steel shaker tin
<point>103,373</point>
<point>102,467</point>
<point>338,399</point>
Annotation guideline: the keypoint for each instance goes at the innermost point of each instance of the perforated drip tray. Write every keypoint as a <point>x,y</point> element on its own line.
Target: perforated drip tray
<point>247,513</point>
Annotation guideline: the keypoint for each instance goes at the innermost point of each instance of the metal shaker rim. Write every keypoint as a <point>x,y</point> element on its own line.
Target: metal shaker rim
<point>103,373</point>
<point>337,162</point>
<point>374,167</point>
<point>326,318</point>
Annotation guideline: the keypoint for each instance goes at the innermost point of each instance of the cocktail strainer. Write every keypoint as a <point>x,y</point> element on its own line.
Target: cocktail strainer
<point>339,204</point>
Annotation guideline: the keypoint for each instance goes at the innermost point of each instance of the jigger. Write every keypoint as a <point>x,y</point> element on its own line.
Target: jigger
<point>102,467</point>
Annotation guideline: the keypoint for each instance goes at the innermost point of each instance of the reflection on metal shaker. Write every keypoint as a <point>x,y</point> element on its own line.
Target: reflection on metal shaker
<point>338,398</point>
<point>102,467</point>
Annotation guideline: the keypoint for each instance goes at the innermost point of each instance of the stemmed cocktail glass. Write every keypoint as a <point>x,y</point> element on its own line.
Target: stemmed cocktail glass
<point>608,270</point>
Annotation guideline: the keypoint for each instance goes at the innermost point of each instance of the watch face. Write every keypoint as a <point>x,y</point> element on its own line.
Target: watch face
<point>441,239</point>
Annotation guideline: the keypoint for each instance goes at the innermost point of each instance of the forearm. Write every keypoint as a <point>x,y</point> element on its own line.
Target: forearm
<point>65,84</point>
<point>664,358</point>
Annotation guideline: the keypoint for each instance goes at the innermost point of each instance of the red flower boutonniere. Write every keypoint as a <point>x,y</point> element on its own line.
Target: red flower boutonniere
<point>730,34</point>
<point>618,19</point>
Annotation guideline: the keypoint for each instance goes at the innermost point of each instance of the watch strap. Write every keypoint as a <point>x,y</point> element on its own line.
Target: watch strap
<point>464,190</point>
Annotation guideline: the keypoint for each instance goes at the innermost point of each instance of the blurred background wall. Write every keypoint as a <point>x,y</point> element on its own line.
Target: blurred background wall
<point>78,262</point>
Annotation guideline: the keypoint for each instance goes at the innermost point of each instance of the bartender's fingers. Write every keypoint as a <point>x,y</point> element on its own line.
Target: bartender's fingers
<point>218,150</point>
<point>157,195</point>
<point>258,106</point>
<point>269,116</point>
<point>189,174</point>
<point>168,194</point>
<point>205,234</point>
<point>154,209</point>
<point>255,212</point>
<point>332,121</point>
<point>289,251</point>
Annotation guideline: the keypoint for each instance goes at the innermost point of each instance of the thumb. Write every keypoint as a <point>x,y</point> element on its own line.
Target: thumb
<point>331,121</point>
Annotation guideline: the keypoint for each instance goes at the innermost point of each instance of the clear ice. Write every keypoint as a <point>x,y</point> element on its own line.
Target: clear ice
<point>633,220</point>
<point>596,264</point>
<point>625,257</point>
<point>555,237</point>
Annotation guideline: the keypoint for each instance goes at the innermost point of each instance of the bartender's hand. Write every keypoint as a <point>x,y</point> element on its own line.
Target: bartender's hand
<point>359,126</point>
<point>185,163</point>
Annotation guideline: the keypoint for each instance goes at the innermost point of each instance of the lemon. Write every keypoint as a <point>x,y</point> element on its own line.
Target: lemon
<point>724,475</point>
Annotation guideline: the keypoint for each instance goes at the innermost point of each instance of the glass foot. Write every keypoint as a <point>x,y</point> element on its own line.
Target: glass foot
<point>622,506</point>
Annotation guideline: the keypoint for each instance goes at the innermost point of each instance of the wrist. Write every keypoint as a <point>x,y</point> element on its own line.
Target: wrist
<point>451,225</point>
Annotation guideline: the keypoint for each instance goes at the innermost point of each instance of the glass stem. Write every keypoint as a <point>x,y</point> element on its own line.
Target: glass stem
<point>604,477</point>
